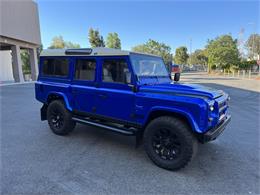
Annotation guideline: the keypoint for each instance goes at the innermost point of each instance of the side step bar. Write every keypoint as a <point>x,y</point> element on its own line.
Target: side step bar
<point>111,128</point>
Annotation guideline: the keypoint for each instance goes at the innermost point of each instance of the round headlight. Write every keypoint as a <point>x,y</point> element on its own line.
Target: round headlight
<point>211,108</point>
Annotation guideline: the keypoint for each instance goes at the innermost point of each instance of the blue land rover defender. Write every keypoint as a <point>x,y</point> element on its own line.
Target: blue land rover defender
<point>132,94</point>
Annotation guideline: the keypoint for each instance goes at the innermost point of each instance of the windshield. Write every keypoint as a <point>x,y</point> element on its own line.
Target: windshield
<point>150,66</point>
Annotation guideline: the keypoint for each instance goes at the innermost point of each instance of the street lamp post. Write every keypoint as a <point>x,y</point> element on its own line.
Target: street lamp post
<point>190,51</point>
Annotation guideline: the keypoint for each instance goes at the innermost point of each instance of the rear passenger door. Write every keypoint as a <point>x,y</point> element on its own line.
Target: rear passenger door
<point>83,84</point>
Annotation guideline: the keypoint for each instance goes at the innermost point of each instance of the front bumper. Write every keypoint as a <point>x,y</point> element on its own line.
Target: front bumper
<point>212,134</point>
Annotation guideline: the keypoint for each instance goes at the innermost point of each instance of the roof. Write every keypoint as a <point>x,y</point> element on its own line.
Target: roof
<point>98,51</point>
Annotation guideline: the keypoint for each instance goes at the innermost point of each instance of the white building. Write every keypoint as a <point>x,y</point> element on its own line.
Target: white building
<point>19,29</point>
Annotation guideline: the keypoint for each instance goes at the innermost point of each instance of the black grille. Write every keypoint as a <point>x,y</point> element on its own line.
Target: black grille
<point>222,106</point>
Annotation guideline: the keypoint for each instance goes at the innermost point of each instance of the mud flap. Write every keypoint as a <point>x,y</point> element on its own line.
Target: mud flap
<point>44,112</point>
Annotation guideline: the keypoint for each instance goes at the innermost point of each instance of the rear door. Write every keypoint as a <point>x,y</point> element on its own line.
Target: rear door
<point>84,84</point>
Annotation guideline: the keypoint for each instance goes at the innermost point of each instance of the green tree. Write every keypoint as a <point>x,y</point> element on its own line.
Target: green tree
<point>181,55</point>
<point>25,61</point>
<point>39,50</point>
<point>71,45</point>
<point>156,48</point>
<point>59,43</point>
<point>198,57</point>
<point>246,65</point>
<point>222,52</point>
<point>253,46</point>
<point>113,41</point>
<point>95,39</point>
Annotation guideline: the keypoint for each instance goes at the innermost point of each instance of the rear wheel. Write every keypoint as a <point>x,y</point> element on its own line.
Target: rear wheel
<point>59,118</point>
<point>169,143</point>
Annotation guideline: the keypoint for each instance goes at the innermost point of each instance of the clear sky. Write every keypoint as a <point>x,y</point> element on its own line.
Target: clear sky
<point>171,22</point>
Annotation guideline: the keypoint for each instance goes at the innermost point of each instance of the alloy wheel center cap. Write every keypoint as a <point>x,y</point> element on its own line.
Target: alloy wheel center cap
<point>167,141</point>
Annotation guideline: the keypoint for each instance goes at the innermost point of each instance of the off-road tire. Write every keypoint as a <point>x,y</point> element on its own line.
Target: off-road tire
<point>67,124</point>
<point>188,143</point>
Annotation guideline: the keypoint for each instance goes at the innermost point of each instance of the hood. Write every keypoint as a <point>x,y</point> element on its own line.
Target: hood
<point>193,90</point>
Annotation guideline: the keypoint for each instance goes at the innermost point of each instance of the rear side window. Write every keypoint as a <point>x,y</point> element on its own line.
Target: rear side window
<point>56,67</point>
<point>85,69</point>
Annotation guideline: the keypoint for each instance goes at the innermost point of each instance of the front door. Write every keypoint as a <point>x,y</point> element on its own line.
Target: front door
<point>115,98</point>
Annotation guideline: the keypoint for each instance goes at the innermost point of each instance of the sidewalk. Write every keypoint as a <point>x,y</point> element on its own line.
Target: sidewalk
<point>237,82</point>
<point>241,75</point>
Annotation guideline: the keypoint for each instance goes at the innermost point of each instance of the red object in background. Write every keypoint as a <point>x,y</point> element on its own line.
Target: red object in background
<point>175,69</point>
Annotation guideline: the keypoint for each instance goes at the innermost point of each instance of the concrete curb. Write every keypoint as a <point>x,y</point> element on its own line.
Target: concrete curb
<point>20,83</point>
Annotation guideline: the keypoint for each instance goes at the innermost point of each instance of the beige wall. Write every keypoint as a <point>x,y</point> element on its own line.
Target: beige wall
<point>20,20</point>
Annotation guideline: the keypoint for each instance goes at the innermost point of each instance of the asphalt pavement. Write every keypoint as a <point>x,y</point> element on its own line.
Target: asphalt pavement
<point>95,161</point>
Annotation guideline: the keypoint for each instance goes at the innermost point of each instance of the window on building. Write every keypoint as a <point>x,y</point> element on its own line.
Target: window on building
<point>114,71</point>
<point>85,69</point>
<point>56,67</point>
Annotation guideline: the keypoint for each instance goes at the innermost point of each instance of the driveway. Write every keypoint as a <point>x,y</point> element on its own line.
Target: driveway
<point>95,161</point>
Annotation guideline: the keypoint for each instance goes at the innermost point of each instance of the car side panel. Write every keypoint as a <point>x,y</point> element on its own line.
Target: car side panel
<point>192,109</point>
<point>60,86</point>
<point>43,90</point>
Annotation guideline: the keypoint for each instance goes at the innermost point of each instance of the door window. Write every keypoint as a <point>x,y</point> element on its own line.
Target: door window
<point>114,70</point>
<point>85,69</point>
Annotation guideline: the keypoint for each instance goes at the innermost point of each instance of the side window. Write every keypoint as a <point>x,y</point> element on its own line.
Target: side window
<point>114,71</point>
<point>55,67</point>
<point>85,69</point>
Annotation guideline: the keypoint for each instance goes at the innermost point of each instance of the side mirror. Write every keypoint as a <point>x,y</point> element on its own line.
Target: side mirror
<point>177,76</point>
<point>128,78</point>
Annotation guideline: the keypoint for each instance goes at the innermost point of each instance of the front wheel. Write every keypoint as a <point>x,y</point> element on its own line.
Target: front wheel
<point>169,143</point>
<point>59,118</point>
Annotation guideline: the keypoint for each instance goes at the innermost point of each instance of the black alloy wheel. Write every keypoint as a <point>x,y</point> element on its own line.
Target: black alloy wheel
<point>166,144</point>
<point>59,118</point>
<point>169,142</point>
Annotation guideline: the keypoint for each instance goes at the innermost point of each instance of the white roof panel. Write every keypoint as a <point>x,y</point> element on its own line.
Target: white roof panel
<point>98,51</point>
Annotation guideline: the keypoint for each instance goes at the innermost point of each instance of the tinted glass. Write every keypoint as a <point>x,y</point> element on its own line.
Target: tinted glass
<point>114,71</point>
<point>56,67</point>
<point>85,69</point>
<point>148,66</point>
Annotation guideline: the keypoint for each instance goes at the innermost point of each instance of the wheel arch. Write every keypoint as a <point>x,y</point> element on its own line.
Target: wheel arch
<point>58,96</point>
<point>180,114</point>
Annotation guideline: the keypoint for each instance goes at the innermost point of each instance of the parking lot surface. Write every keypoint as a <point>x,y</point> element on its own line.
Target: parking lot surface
<point>95,161</point>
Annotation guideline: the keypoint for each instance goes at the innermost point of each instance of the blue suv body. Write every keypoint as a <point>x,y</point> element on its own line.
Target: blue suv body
<point>133,94</point>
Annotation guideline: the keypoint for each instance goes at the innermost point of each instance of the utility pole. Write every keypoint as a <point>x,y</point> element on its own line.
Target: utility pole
<point>190,51</point>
